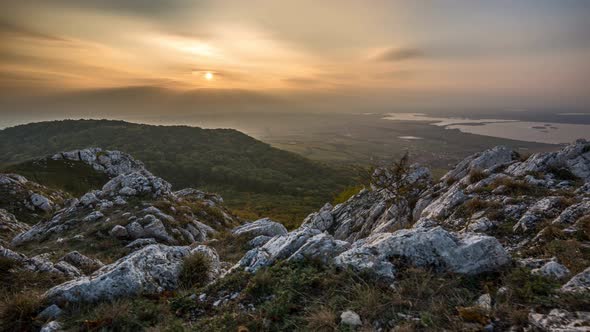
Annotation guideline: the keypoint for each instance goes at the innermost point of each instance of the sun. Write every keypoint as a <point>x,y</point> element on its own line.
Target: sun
<point>208,76</point>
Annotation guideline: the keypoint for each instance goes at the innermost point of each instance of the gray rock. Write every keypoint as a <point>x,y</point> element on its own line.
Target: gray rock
<point>362,259</point>
<point>140,243</point>
<point>151,270</point>
<point>553,270</point>
<point>52,326</point>
<point>545,208</point>
<point>321,220</point>
<point>574,157</point>
<point>443,206</point>
<point>560,320</point>
<point>67,269</point>
<point>157,230</point>
<point>88,199</point>
<point>280,247</point>
<point>484,302</point>
<point>481,225</point>
<point>93,216</point>
<point>51,312</point>
<point>432,247</point>
<point>259,241</point>
<point>119,232</point>
<point>321,247</point>
<point>488,160</point>
<point>128,191</point>
<point>41,202</point>
<point>143,182</point>
<point>580,283</point>
<point>82,262</point>
<point>574,212</point>
<point>135,230</point>
<point>112,163</point>
<point>350,318</point>
<point>263,226</point>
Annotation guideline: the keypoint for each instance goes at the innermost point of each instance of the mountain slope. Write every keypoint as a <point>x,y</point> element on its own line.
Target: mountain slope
<point>254,177</point>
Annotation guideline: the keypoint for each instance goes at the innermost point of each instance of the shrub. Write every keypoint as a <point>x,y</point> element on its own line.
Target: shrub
<point>195,271</point>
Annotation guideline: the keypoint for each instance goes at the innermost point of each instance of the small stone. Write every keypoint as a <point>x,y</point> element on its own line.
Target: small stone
<point>119,232</point>
<point>51,312</point>
<point>351,318</point>
<point>53,326</point>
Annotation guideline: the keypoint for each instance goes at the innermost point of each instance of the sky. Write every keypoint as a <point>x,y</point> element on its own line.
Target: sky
<point>333,54</point>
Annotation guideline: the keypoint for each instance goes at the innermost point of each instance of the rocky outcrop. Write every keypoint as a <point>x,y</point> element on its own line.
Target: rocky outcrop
<point>580,283</point>
<point>559,320</point>
<point>112,163</point>
<point>151,270</point>
<point>28,200</point>
<point>489,161</point>
<point>434,247</point>
<point>575,158</point>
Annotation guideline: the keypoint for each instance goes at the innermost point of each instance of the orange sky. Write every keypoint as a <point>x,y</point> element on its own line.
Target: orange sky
<point>444,51</point>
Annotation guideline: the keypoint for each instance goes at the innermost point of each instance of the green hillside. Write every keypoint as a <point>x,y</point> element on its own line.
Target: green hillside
<point>254,178</point>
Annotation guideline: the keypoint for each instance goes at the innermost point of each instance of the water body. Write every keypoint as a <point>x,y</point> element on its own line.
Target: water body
<point>542,132</point>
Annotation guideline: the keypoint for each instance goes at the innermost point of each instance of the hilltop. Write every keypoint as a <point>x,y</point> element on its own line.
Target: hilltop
<point>255,178</point>
<point>500,243</point>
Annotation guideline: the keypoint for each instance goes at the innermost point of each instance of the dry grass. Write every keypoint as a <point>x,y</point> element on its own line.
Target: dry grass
<point>476,175</point>
<point>18,311</point>
<point>322,319</point>
<point>195,271</point>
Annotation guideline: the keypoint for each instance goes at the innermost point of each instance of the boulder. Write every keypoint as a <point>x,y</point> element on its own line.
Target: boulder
<point>280,247</point>
<point>259,227</point>
<point>488,160</point>
<point>119,232</point>
<point>41,202</point>
<point>545,208</point>
<point>82,262</point>
<point>140,243</point>
<point>350,318</point>
<point>560,320</point>
<point>143,182</point>
<point>573,157</point>
<point>553,270</point>
<point>429,247</point>
<point>157,230</point>
<point>443,206</point>
<point>574,212</point>
<point>151,270</point>
<point>580,283</point>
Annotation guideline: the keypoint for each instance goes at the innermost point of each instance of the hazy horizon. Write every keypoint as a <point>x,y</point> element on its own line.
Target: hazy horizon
<point>118,59</point>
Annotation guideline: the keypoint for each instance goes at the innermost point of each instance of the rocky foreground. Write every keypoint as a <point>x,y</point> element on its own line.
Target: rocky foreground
<point>514,231</point>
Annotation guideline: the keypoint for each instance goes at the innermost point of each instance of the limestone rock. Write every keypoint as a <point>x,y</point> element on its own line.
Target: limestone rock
<point>432,247</point>
<point>41,202</point>
<point>150,270</point>
<point>119,232</point>
<point>259,227</point>
<point>350,318</point>
<point>560,320</point>
<point>553,270</point>
<point>580,283</point>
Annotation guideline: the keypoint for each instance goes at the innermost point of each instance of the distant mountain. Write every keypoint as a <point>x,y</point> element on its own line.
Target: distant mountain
<point>255,178</point>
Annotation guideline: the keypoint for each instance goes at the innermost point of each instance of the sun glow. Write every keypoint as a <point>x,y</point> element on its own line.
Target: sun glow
<point>208,76</point>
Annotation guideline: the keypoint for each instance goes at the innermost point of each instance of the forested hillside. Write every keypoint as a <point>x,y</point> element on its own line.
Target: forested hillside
<point>254,178</point>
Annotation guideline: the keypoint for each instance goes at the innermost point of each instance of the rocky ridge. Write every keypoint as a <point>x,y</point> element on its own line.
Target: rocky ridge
<point>494,211</point>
